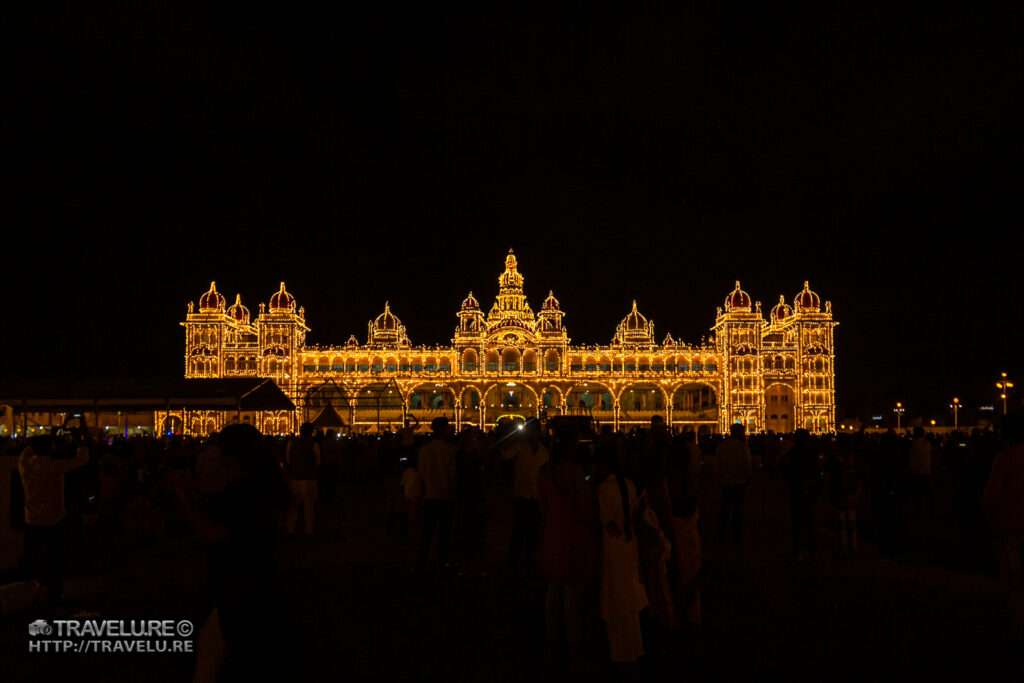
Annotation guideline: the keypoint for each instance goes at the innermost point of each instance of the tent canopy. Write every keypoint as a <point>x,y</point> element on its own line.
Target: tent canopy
<point>235,393</point>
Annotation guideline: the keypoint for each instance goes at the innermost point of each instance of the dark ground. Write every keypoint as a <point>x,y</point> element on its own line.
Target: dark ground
<point>917,617</point>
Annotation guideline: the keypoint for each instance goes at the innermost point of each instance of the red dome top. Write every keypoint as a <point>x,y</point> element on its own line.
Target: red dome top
<point>807,300</point>
<point>551,303</point>
<point>470,303</point>
<point>237,311</point>
<point>212,301</point>
<point>781,311</point>
<point>737,300</point>
<point>282,300</point>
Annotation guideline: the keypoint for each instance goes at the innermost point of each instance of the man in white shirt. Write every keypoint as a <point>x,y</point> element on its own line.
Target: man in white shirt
<point>303,458</point>
<point>46,528</point>
<point>436,466</point>
<point>920,464</point>
<point>529,455</point>
<point>732,458</point>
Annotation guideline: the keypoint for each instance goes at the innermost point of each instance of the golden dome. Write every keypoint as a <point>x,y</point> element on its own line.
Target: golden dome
<point>807,301</point>
<point>213,301</point>
<point>781,310</point>
<point>282,300</point>
<point>470,303</point>
<point>635,320</point>
<point>551,303</point>
<point>737,300</point>
<point>511,278</point>
<point>386,320</point>
<point>237,311</point>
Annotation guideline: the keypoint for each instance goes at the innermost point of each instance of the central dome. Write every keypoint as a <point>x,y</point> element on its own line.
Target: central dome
<point>635,320</point>
<point>387,319</point>
<point>237,311</point>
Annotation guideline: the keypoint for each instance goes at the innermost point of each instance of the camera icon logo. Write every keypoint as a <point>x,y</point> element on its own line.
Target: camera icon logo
<point>39,627</point>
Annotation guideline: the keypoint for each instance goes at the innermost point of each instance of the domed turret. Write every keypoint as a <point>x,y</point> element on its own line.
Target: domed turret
<point>634,329</point>
<point>238,312</point>
<point>470,303</point>
<point>806,301</point>
<point>738,301</point>
<point>387,330</point>
<point>634,320</point>
<point>551,303</point>
<point>282,300</point>
<point>386,320</point>
<point>352,342</point>
<point>511,278</point>
<point>781,311</point>
<point>213,301</point>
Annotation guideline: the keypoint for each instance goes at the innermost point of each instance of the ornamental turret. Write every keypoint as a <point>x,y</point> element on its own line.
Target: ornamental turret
<point>634,330</point>
<point>511,317</point>
<point>387,331</point>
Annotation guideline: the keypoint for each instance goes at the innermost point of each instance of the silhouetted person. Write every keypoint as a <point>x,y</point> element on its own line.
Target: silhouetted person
<point>330,466</point>
<point>890,485</point>
<point>844,488</point>
<point>684,489</point>
<point>528,455</point>
<point>46,519</point>
<point>805,486</point>
<point>437,468</point>
<point>732,458</point>
<point>920,467</point>
<point>622,592</point>
<point>469,460</point>
<point>1004,501</point>
<point>249,633</point>
<point>302,456</point>
<point>569,548</point>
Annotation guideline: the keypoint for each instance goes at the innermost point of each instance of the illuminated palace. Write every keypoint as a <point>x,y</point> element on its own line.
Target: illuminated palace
<point>775,374</point>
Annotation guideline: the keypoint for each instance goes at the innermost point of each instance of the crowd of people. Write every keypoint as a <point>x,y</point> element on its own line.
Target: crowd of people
<point>611,520</point>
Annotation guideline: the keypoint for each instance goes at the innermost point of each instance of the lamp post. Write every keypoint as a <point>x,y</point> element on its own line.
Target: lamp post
<point>1004,387</point>
<point>955,405</point>
<point>899,413</point>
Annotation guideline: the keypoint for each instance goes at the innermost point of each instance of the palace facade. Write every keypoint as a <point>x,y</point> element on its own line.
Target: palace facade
<point>776,374</point>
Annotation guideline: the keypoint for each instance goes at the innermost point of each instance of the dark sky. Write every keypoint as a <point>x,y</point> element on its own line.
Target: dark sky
<point>368,154</point>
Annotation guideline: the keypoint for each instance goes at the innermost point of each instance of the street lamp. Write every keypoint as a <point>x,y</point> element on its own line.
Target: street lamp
<point>1004,387</point>
<point>899,413</point>
<point>955,405</point>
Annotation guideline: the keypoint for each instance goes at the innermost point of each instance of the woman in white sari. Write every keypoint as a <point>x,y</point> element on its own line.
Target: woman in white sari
<point>622,593</point>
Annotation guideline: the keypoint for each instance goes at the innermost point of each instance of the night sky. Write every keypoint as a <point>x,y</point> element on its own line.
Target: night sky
<point>370,154</point>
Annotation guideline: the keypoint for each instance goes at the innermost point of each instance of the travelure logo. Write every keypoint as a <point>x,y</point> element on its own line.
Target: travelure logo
<point>39,627</point>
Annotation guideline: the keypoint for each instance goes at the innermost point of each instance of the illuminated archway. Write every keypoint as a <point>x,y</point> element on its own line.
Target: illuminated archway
<point>780,405</point>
